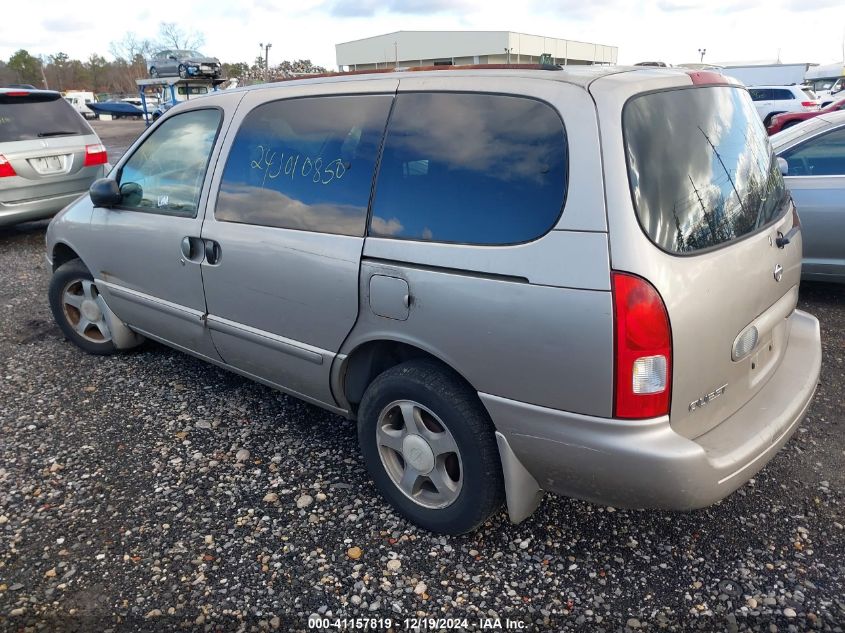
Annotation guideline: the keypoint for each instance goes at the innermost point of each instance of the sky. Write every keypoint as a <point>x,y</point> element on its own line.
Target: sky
<point>666,30</point>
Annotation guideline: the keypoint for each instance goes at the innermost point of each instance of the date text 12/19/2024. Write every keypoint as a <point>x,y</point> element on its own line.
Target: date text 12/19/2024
<point>416,624</point>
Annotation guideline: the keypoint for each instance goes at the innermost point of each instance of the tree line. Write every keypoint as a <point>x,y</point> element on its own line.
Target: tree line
<point>129,62</point>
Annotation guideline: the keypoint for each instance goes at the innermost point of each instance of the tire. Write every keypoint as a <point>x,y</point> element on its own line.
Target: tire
<point>76,305</point>
<point>452,442</point>
<point>183,72</point>
<point>153,72</point>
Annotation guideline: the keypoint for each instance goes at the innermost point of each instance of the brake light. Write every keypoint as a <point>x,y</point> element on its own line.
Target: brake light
<point>95,155</point>
<point>6,168</point>
<point>706,77</point>
<point>809,104</point>
<point>17,93</point>
<point>796,219</point>
<point>643,346</point>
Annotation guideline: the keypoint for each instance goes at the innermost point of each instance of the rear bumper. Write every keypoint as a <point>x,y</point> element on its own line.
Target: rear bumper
<point>645,464</point>
<point>35,209</point>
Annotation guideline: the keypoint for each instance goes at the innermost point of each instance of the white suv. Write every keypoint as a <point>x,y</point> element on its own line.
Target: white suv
<point>772,100</point>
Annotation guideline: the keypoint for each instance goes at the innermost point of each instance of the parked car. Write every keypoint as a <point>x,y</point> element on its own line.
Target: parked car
<point>772,100</point>
<point>507,277</point>
<point>79,100</point>
<point>814,155</point>
<point>184,64</point>
<point>786,120</point>
<point>49,155</point>
<point>829,89</point>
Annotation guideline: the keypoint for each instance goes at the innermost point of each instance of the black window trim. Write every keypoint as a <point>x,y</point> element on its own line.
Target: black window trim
<point>786,207</point>
<point>376,164</point>
<point>206,176</point>
<point>455,243</point>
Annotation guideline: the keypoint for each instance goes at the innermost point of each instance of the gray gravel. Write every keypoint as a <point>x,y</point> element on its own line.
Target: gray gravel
<point>149,491</point>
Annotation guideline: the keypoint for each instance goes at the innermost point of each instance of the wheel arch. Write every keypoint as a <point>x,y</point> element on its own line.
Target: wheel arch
<point>373,356</point>
<point>771,115</point>
<point>61,254</point>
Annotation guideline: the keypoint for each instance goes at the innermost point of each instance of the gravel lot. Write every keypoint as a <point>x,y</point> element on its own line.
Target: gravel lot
<point>149,491</point>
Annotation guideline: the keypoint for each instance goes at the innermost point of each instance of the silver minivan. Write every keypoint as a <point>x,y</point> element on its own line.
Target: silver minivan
<point>516,280</point>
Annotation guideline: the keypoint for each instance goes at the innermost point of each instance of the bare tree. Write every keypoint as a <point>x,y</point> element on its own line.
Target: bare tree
<point>130,46</point>
<point>171,35</point>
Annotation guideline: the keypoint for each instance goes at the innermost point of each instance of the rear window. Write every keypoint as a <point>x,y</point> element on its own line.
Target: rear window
<point>809,93</point>
<point>38,116</point>
<point>701,169</point>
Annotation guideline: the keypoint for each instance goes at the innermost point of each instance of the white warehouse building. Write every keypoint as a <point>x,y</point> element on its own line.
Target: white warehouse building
<point>458,48</point>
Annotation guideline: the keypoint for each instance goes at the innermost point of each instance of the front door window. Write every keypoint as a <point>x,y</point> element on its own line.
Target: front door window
<point>166,173</point>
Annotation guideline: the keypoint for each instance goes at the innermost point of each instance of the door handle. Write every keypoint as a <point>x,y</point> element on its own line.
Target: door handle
<point>213,252</point>
<point>192,249</point>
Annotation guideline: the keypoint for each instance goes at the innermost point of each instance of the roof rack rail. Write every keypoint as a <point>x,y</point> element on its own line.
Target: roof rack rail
<point>413,69</point>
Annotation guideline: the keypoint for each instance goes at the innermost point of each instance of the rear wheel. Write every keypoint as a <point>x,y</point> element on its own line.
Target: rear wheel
<point>79,309</point>
<point>430,447</point>
<point>183,72</point>
<point>153,72</point>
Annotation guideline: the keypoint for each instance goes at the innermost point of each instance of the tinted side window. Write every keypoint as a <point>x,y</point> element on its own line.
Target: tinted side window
<point>165,174</point>
<point>305,164</point>
<point>783,95</point>
<point>760,94</point>
<point>470,168</point>
<point>821,156</point>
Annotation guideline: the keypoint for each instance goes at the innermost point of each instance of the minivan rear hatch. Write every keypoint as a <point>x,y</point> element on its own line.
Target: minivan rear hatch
<point>44,141</point>
<point>710,202</point>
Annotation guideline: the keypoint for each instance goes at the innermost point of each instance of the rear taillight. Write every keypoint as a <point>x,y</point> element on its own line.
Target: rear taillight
<point>6,168</point>
<point>95,155</point>
<point>809,104</point>
<point>643,343</point>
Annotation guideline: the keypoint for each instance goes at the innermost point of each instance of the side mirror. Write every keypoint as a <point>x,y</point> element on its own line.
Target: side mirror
<point>105,192</point>
<point>783,165</point>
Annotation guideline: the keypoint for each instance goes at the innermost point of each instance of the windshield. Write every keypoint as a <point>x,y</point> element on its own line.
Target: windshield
<point>38,115</point>
<point>701,169</point>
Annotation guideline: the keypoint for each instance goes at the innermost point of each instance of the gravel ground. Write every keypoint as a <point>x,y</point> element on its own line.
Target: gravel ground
<point>149,491</point>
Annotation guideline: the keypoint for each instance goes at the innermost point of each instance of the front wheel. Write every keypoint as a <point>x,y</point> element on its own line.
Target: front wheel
<point>78,308</point>
<point>183,72</point>
<point>430,447</point>
<point>154,72</point>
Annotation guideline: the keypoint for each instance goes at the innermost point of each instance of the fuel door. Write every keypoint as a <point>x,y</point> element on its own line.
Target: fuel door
<point>390,297</point>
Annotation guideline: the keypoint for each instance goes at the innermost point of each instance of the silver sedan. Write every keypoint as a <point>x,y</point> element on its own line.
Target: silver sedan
<point>813,154</point>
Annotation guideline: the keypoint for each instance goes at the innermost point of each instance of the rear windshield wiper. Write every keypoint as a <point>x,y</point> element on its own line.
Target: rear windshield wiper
<point>57,133</point>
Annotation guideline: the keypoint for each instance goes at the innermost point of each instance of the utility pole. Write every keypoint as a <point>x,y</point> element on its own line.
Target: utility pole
<point>266,48</point>
<point>702,51</point>
<point>395,54</point>
<point>508,51</point>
